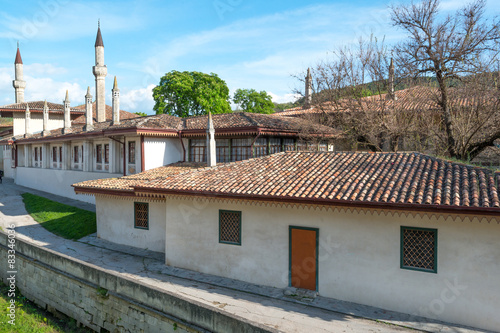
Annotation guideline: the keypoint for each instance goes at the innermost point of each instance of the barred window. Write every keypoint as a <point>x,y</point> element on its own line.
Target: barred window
<point>131,152</point>
<point>274,145</point>
<point>106,153</point>
<point>230,227</point>
<point>141,215</point>
<point>241,149</point>
<point>419,249</point>
<point>301,146</point>
<point>260,147</point>
<point>323,146</point>
<point>288,144</point>
<point>222,147</point>
<point>197,149</point>
<point>98,153</point>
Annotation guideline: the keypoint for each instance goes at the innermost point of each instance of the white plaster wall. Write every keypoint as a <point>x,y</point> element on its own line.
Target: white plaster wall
<point>36,122</point>
<point>160,152</point>
<point>8,170</point>
<point>115,223</point>
<point>58,181</point>
<point>359,257</point>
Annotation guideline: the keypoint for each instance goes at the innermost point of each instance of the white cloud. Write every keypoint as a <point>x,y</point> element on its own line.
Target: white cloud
<point>138,100</point>
<point>284,98</point>
<point>44,69</point>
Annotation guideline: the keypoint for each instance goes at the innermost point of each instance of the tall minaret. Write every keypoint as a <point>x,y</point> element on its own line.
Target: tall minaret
<point>100,72</point>
<point>391,81</point>
<point>18,83</point>
<point>27,119</point>
<point>89,126</point>
<point>67,114</point>
<point>116,104</point>
<point>308,97</point>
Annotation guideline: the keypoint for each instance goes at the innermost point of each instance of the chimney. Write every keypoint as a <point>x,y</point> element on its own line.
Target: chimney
<point>67,115</point>
<point>115,92</point>
<point>211,155</point>
<point>88,111</point>
<point>27,118</point>
<point>45,131</point>
<point>391,93</point>
<point>308,97</point>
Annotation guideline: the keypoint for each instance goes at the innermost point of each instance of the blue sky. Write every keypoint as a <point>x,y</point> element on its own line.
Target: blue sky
<point>249,44</point>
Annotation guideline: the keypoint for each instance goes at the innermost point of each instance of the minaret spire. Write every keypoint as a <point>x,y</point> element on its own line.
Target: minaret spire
<point>115,92</point>
<point>67,114</point>
<point>211,153</point>
<point>89,126</point>
<point>19,84</point>
<point>100,71</point>
<point>308,92</point>
<point>45,131</point>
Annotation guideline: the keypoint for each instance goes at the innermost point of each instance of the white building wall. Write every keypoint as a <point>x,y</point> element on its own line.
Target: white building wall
<point>58,181</point>
<point>115,223</point>
<point>36,122</point>
<point>159,152</point>
<point>8,170</point>
<point>359,257</point>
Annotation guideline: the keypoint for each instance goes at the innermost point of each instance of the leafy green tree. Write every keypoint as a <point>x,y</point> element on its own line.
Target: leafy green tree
<point>253,101</point>
<point>142,114</point>
<point>185,94</point>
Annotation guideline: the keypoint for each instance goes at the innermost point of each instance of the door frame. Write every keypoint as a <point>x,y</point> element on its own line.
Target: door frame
<point>290,253</point>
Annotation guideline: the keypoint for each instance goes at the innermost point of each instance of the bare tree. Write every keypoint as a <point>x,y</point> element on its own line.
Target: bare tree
<point>452,50</point>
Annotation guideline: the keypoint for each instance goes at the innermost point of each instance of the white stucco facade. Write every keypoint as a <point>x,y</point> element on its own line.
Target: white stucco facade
<point>36,122</point>
<point>58,181</point>
<point>161,151</point>
<point>358,257</point>
<point>115,223</point>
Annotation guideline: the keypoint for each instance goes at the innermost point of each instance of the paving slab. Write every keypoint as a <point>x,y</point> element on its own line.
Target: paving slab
<point>265,305</point>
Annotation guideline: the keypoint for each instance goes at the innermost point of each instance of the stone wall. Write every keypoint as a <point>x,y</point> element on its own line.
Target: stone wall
<point>103,300</point>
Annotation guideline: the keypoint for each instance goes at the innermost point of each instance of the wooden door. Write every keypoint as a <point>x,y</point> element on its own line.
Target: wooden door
<point>303,258</point>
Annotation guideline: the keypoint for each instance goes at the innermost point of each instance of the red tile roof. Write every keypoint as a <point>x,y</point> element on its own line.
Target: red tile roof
<point>410,181</point>
<point>37,106</point>
<point>109,114</point>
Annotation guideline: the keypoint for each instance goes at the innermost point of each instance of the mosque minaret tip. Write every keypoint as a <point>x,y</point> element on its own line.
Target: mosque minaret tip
<point>100,71</point>
<point>18,83</point>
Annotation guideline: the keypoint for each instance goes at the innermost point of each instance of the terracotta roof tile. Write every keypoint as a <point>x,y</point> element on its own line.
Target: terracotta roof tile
<point>109,114</point>
<point>396,178</point>
<point>37,106</point>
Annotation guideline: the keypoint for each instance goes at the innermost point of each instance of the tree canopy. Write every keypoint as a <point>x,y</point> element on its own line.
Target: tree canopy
<point>252,101</point>
<point>185,94</point>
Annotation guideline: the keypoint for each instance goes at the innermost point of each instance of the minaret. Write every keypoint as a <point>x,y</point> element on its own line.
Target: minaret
<point>45,119</point>
<point>89,126</point>
<point>67,114</point>
<point>308,96</point>
<point>27,119</point>
<point>100,72</point>
<point>391,81</point>
<point>211,155</point>
<point>18,83</point>
<point>115,92</point>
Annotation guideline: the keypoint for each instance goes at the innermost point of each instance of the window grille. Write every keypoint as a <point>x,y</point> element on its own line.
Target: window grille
<point>98,153</point>
<point>131,152</point>
<point>419,249</point>
<point>141,212</point>
<point>241,149</point>
<point>260,147</point>
<point>106,153</point>
<point>288,144</point>
<point>222,150</point>
<point>274,145</point>
<point>323,146</point>
<point>301,146</point>
<point>197,149</point>
<point>230,227</point>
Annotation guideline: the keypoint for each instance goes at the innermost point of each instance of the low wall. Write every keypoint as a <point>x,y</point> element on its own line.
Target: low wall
<point>58,181</point>
<point>102,300</point>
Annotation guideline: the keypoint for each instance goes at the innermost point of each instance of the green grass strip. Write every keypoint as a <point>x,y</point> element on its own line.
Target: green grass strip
<point>63,220</point>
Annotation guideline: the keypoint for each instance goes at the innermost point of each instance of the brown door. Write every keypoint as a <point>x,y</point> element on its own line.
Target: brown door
<point>303,257</point>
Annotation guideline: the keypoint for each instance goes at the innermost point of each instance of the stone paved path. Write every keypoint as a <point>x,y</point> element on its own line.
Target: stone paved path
<point>265,305</point>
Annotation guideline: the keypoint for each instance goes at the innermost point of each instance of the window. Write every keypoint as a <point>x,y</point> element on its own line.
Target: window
<point>288,144</point>
<point>222,150</point>
<point>98,153</point>
<point>141,215</point>
<point>75,154</point>
<point>60,154</point>
<point>106,153</point>
<point>197,150</point>
<point>275,145</point>
<point>36,154</point>
<point>54,154</point>
<point>419,249</point>
<point>230,227</point>
<point>241,149</point>
<point>260,147</point>
<point>131,152</point>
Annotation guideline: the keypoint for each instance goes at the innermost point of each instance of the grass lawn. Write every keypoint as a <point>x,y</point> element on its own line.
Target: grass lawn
<point>63,220</point>
<point>32,319</point>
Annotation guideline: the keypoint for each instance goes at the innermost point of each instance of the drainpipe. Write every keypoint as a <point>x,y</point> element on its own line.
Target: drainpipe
<point>142,154</point>
<point>253,142</point>
<point>183,148</point>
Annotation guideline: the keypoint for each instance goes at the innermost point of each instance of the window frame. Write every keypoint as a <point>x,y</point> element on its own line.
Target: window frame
<point>239,227</point>
<point>98,153</point>
<point>426,270</point>
<point>135,215</point>
<point>131,157</point>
